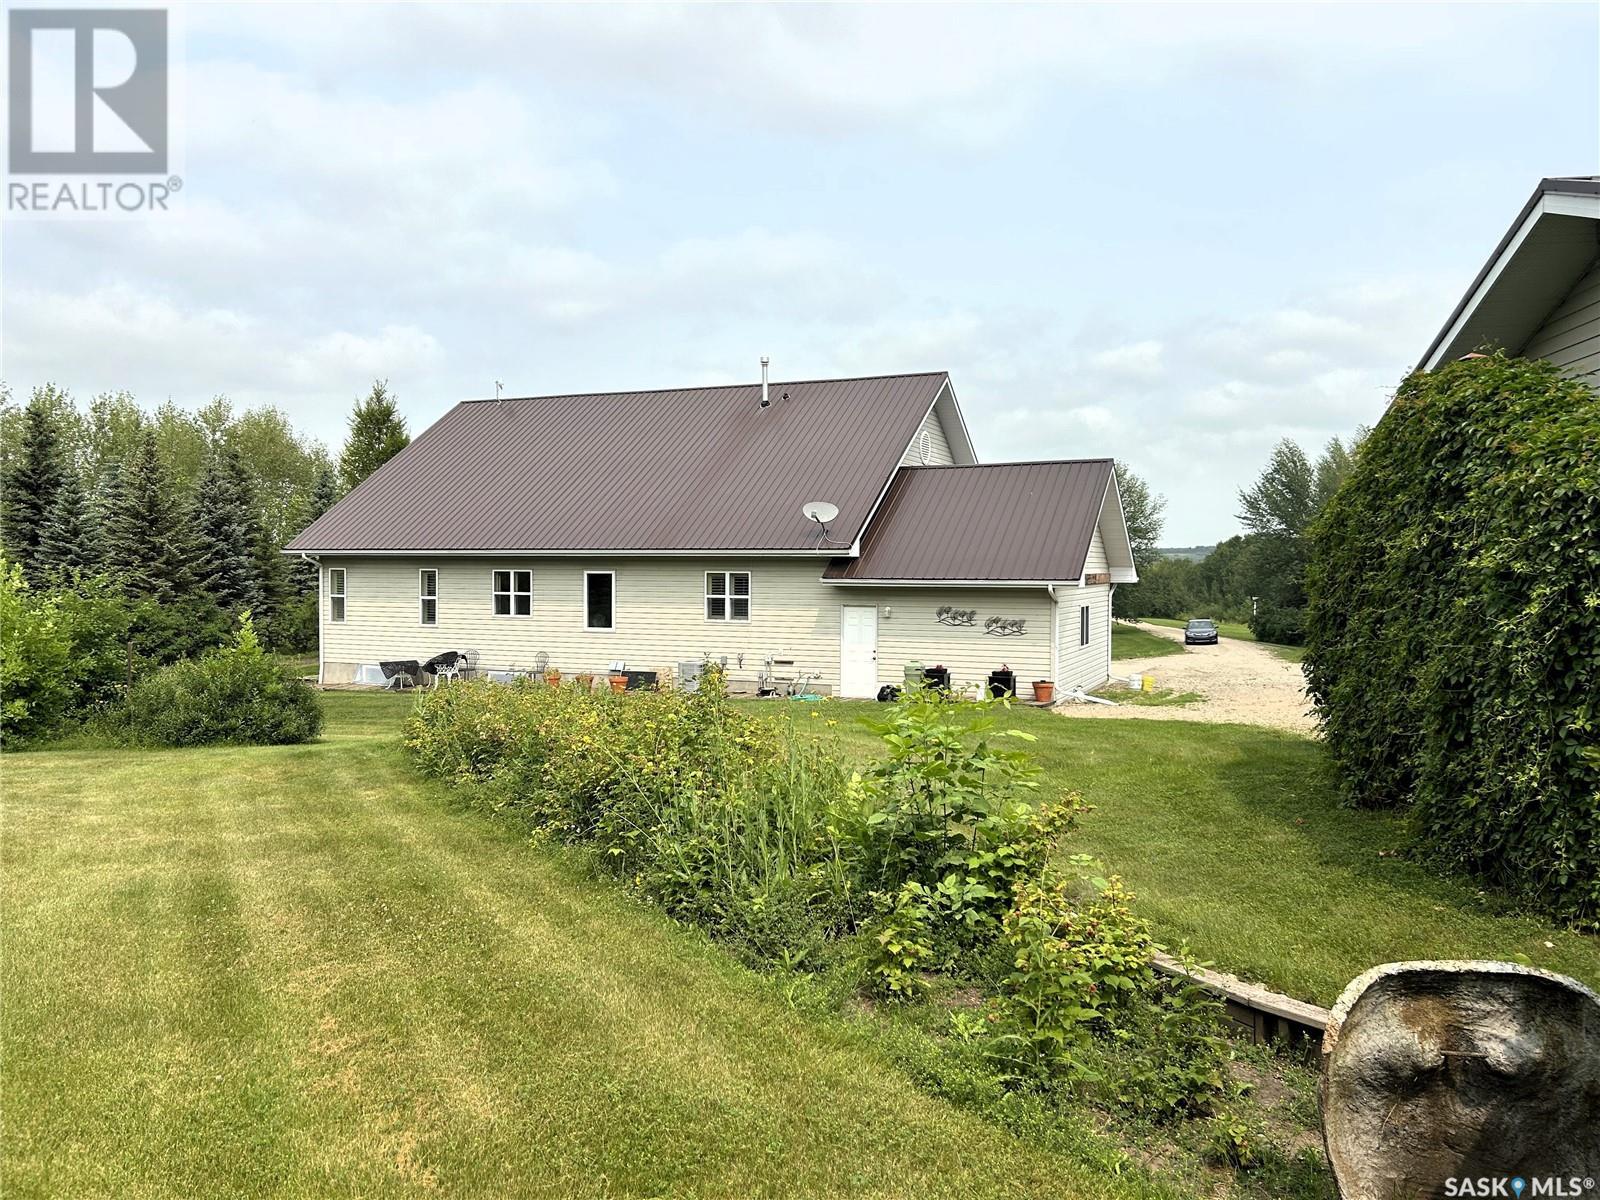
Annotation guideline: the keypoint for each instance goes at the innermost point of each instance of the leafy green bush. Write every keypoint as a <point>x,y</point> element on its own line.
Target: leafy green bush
<point>1454,625</point>
<point>237,695</point>
<point>934,859</point>
<point>35,653</point>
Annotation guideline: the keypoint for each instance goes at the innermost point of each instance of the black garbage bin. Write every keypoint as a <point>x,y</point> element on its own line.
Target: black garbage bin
<point>937,677</point>
<point>1002,683</point>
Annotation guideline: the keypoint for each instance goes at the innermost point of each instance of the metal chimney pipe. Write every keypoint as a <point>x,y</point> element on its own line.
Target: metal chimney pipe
<point>764,399</point>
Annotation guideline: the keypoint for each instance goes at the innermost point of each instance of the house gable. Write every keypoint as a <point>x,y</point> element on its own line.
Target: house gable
<point>1536,278</point>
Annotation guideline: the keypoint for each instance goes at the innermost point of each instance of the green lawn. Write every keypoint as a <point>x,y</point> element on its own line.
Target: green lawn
<point>302,972</point>
<point>1128,642</point>
<point>1232,838</point>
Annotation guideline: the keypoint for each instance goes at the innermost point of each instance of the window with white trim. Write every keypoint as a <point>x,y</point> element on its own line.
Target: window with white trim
<point>1083,625</point>
<point>512,592</point>
<point>727,595</point>
<point>428,596</point>
<point>336,593</point>
<point>599,599</point>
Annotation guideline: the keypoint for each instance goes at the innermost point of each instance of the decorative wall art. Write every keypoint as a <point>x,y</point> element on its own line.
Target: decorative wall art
<point>947,615</point>
<point>1005,626</point>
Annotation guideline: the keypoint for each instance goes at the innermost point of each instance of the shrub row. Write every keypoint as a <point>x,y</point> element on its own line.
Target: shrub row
<point>935,859</point>
<point>1454,625</point>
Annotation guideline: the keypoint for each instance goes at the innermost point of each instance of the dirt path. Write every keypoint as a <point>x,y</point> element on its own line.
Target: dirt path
<point>1243,684</point>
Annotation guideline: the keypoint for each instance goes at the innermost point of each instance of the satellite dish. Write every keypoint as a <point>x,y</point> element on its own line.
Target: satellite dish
<point>820,511</point>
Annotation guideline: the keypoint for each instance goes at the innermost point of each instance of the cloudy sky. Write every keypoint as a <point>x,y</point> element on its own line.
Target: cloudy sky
<point>1174,235</point>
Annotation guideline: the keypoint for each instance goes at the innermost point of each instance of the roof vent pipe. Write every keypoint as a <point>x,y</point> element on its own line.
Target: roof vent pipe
<point>764,398</point>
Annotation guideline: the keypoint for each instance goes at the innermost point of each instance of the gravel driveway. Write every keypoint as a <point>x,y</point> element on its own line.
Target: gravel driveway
<point>1243,684</point>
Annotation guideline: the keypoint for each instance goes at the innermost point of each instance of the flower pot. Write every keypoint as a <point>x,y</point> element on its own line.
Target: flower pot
<point>1044,691</point>
<point>585,683</point>
<point>553,678</point>
<point>619,683</point>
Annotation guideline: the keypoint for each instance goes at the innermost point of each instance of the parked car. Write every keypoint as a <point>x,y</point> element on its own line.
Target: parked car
<point>1200,632</point>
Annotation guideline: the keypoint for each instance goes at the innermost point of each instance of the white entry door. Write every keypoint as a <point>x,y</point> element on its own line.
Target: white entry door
<point>858,651</point>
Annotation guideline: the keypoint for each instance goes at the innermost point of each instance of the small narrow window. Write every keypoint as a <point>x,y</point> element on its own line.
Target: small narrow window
<point>336,593</point>
<point>599,598</point>
<point>1083,625</point>
<point>513,593</point>
<point>428,596</point>
<point>727,595</point>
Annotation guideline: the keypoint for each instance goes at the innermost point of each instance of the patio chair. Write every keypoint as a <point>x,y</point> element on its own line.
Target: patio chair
<point>445,667</point>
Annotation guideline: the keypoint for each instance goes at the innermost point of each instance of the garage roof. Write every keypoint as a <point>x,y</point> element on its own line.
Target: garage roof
<point>1004,522</point>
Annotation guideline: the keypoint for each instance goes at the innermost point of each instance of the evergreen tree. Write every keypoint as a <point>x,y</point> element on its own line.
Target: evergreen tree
<point>324,494</point>
<point>147,537</point>
<point>70,540</point>
<point>224,532</point>
<point>31,481</point>
<point>377,434</point>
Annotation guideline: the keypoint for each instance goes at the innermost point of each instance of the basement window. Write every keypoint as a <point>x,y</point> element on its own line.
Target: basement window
<point>513,593</point>
<point>336,593</point>
<point>727,595</point>
<point>428,596</point>
<point>599,599</point>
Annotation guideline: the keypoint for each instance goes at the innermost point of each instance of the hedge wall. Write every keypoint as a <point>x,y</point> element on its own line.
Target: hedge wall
<point>1453,626</point>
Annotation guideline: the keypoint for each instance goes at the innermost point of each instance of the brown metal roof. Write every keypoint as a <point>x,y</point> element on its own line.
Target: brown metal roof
<point>691,469</point>
<point>1000,522</point>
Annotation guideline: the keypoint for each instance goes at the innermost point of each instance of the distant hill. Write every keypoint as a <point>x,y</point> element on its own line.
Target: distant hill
<point>1192,553</point>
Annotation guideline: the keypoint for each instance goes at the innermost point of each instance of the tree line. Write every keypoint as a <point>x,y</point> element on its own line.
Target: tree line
<point>178,517</point>
<point>1257,577</point>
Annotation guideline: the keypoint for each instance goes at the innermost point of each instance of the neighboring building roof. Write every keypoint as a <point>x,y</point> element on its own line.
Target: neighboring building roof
<point>1002,522</point>
<point>1549,247</point>
<point>687,469</point>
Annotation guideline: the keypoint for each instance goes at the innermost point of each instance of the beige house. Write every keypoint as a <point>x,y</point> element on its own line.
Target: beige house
<point>842,526</point>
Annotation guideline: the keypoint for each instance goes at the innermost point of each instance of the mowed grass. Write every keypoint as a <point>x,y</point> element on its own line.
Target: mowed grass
<point>1128,642</point>
<point>301,971</point>
<point>1233,840</point>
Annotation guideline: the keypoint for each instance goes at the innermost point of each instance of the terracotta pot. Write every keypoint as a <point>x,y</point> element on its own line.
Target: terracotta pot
<point>585,683</point>
<point>1044,691</point>
<point>619,683</point>
<point>553,678</point>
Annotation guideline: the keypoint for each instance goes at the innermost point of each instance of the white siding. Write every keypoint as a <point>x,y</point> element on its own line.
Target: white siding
<point>1096,560</point>
<point>909,631</point>
<point>1084,666</point>
<point>660,619</point>
<point>939,453</point>
<point>1570,338</point>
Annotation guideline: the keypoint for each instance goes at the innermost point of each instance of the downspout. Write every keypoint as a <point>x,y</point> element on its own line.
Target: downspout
<point>1055,634</point>
<point>304,557</point>
<point>1111,602</point>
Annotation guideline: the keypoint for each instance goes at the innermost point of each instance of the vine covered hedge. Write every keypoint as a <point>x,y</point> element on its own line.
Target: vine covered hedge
<point>1453,626</point>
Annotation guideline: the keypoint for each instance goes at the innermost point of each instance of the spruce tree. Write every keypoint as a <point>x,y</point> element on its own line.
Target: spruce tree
<point>224,532</point>
<point>70,540</point>
<point>147,537</point>
<point>29,489</point>
<point>377,434</point>
<point>323,496</point>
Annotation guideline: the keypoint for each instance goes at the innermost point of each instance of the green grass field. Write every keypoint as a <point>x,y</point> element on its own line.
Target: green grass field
<point>303,971</point>
<point>1128,642</point>
<point>299,972</point>
<point>1233,840</point>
